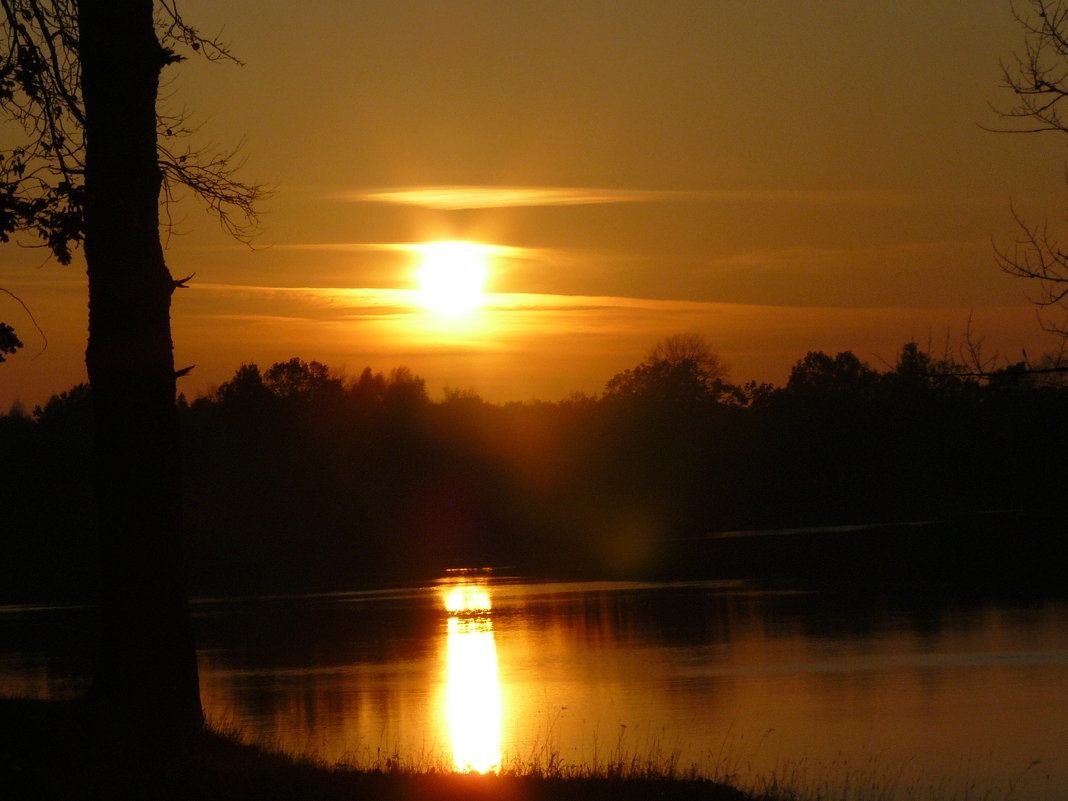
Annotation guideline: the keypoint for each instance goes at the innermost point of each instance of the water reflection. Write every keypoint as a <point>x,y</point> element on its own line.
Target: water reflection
<point>478,670</point>
<point>472,684</point>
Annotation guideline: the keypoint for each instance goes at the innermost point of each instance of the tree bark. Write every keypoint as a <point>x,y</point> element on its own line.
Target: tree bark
<point>147,672</point>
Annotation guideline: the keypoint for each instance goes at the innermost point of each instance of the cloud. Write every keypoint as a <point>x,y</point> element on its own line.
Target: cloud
<point>872,257</point>
<point>455,198</point>
<point>498,251</point>
<point>347,303</point>
<point>344,247</point>
<point>452,198</point>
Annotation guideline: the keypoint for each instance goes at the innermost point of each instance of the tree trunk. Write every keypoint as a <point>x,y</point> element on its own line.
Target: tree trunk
<point>147,673</point>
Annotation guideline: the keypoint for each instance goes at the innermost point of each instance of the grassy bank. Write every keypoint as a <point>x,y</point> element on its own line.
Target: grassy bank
<point>51,751</point>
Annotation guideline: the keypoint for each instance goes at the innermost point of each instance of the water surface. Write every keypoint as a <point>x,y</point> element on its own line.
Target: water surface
<point>476,671</point>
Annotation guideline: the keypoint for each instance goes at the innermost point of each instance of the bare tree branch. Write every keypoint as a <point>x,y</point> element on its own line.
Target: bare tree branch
<point>41,179</point>
<point>1038,77</point>
<point>33,319</point>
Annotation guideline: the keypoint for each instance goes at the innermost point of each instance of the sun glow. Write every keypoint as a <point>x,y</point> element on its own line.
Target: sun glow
<point>451,275</point>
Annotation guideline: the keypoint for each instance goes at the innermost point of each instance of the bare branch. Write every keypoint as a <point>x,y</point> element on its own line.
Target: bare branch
<point>33,319</point>
<point>971,352</point>
<point>213,179</point>
<point>41,179</point>
<point>1036,256</point>
<point>1038,78</point>
<point>174,29</point>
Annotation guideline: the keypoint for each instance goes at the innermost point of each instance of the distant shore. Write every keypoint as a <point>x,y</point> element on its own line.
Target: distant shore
<point>1014,551</point>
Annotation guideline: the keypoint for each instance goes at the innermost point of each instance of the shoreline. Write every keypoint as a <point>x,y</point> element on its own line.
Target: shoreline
<point>51,750</point>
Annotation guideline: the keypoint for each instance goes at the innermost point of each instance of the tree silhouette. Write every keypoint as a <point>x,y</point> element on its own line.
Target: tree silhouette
<point>821,375</point>
<point>1039,79</point>
<point>9,341</point>
<point>81,77</point>
<point>299,381</point>
<point>689,347</point>
<point>681,369</point>
<point>246,389</point>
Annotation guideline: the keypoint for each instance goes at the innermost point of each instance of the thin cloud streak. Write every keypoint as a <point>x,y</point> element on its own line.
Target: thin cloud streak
<point>344,302</point>
<point>456,198</point>
<point>863,256</point>
<point>501,251</point>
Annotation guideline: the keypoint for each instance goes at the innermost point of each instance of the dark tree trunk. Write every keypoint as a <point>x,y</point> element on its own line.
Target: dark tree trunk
<point>147,674</point>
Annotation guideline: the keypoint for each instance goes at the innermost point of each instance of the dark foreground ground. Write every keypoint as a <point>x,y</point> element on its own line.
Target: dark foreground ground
<point>49,751</point>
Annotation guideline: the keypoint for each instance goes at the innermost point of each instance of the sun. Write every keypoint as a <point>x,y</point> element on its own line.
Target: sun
<point>451,275</point>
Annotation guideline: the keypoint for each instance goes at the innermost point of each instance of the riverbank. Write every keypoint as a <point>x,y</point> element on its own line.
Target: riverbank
<point>1014,552</point>
<point>49,751</point>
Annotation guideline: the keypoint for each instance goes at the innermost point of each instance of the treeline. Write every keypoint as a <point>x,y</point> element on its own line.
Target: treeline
<point>297,477</point>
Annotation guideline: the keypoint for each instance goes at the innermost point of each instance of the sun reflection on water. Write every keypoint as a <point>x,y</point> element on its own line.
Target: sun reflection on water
<point>468,599</point>
<point>473,689</point>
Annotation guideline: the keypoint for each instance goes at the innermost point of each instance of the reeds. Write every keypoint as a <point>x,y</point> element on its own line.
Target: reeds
<point>735,765</point>
<point>49,746</point>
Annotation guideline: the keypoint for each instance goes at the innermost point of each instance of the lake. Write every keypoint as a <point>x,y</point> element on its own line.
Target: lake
<point>923,696</point>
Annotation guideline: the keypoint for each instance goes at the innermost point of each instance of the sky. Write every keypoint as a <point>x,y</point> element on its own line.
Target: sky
<point>778,177</point>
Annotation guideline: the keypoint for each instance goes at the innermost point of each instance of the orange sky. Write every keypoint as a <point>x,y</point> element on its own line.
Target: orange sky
<point>779,177</point>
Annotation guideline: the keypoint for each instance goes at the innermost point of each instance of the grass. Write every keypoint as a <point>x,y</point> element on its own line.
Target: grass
<point>48,751</point>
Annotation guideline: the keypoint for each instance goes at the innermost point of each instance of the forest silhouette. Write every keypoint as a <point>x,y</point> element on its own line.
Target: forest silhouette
<point>299,478</point>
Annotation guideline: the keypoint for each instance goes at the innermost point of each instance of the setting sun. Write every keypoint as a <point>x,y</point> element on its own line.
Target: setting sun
<point>451,275</point>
